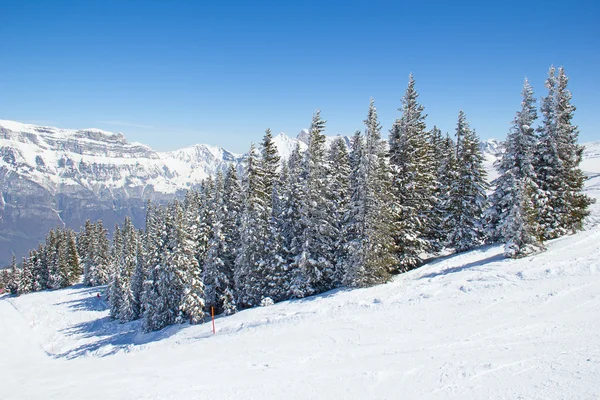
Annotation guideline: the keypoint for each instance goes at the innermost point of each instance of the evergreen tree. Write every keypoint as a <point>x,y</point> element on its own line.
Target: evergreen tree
<point>138,277</point>
<point>253,231</point>
<point>435,235</point>
<point>549,168</point>
<point>338,202</point>
<point>116,286</point>
<point>12,284</point>
<point>128,262</point>
<point>468,192</point>
<point>156,245</point>
<point>318,237</point>
<point>216,277</point>
<point>516,194</point>
<point>570,153</point>
<point>26,278</point>
<point>74,270</point>
<point>40,269</point>
<point>447,176</point>
<point>185,293</point>
<point>370,247</point>
<point>414,181</point>
<point>291,198</point>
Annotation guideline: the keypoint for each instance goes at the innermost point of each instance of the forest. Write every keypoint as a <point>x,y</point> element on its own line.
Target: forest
<point>330,216</point>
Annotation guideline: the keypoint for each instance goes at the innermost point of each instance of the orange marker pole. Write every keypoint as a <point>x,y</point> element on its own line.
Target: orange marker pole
<point>212,312</point>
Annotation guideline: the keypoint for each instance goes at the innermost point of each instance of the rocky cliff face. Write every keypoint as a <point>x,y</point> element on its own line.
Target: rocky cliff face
<point>51,176</point>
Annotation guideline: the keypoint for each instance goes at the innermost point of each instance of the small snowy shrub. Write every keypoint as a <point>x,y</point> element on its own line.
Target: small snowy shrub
<point>267,301</point>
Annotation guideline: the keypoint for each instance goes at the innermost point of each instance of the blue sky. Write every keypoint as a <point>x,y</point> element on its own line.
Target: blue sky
<point>178,73</point>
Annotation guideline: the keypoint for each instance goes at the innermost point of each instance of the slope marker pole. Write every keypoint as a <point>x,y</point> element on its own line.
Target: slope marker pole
<point>212,312</point>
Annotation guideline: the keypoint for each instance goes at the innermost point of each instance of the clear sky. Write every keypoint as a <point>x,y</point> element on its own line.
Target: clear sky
<point>172,74</point>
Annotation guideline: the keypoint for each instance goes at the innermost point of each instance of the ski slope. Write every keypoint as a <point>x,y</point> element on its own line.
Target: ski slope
<point>469,326</point>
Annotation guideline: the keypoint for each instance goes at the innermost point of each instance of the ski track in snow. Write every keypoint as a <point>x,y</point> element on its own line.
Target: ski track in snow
<point>467,326</point>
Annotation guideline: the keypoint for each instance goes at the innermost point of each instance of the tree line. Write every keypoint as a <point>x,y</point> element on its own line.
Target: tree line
<point>330,216</point>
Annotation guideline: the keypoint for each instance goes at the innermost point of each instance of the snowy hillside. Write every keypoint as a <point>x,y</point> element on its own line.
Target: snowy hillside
<point>470,326</point>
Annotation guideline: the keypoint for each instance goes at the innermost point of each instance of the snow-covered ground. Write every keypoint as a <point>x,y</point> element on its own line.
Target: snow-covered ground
<point>470,326</point>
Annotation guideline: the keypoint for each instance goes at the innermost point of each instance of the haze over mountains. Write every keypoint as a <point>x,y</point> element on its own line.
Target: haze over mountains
<point>51,176</point>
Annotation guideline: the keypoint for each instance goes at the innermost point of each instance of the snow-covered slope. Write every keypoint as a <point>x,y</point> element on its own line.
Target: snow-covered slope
<point>470,326</point>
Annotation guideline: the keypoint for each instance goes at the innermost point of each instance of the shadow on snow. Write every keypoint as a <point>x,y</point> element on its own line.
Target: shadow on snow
<point>459,268</point>
<point>112,337</point>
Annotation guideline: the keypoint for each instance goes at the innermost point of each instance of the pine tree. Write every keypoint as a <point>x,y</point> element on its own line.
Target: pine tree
<point>128,263</point>
<point>138,277</point>
<point>253,231</point>
<point>549,168</point>
<point>231,225</point>
<point>13,280</point>
<point>74,270</point>
<point>183,272</point>
<point>516,195</point>
<point>40,269</point>
<point>570,153</point>
<point>468,192</point>
<point>270,271</point>
<point>414,181</point>
<point>315,261</point>
<point>96,254</point>
<point>156,238</point>
<point>370,246</point>
<point>215,276</point>
<point>436,236</point>
<point>338,202</point>
<point>117,284</point>
<point>291,198</point>
<point>26,278</point>
<point>447,176</point>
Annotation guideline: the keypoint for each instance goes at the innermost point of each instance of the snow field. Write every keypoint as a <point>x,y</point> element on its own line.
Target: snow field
<point>474,325</point>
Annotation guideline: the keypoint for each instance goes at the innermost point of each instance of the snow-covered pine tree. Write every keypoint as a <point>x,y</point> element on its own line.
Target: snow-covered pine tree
<point>468,192</point>
<point>182,275</point>
<point>414,181</point>
<point>277,288</point>
<point>271,270</point>
<point>116,285</point>
<point>447,175</point>
<point>370,248</point>
<point>516,195</point>
<point>318,237</point>
<point>436,236</point>
<point>231,224</point>
<point>339,198</point>
<point>155,246</point>
<point>215,277</point>
<point>570,153</point>
<point>253,234</point>
<point>139,276</point>
<point>40,269</point>
<point>74,269</point>
<point>291,198</point>
<point>129,308</point>
<point>549,168</point>
<point>52,259</point>
<point>205,216</point>
<point>96,254</point>
<point>163,291</point>
<point>87,243</point>
<point>26,282</point>
<point>12,284</point>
